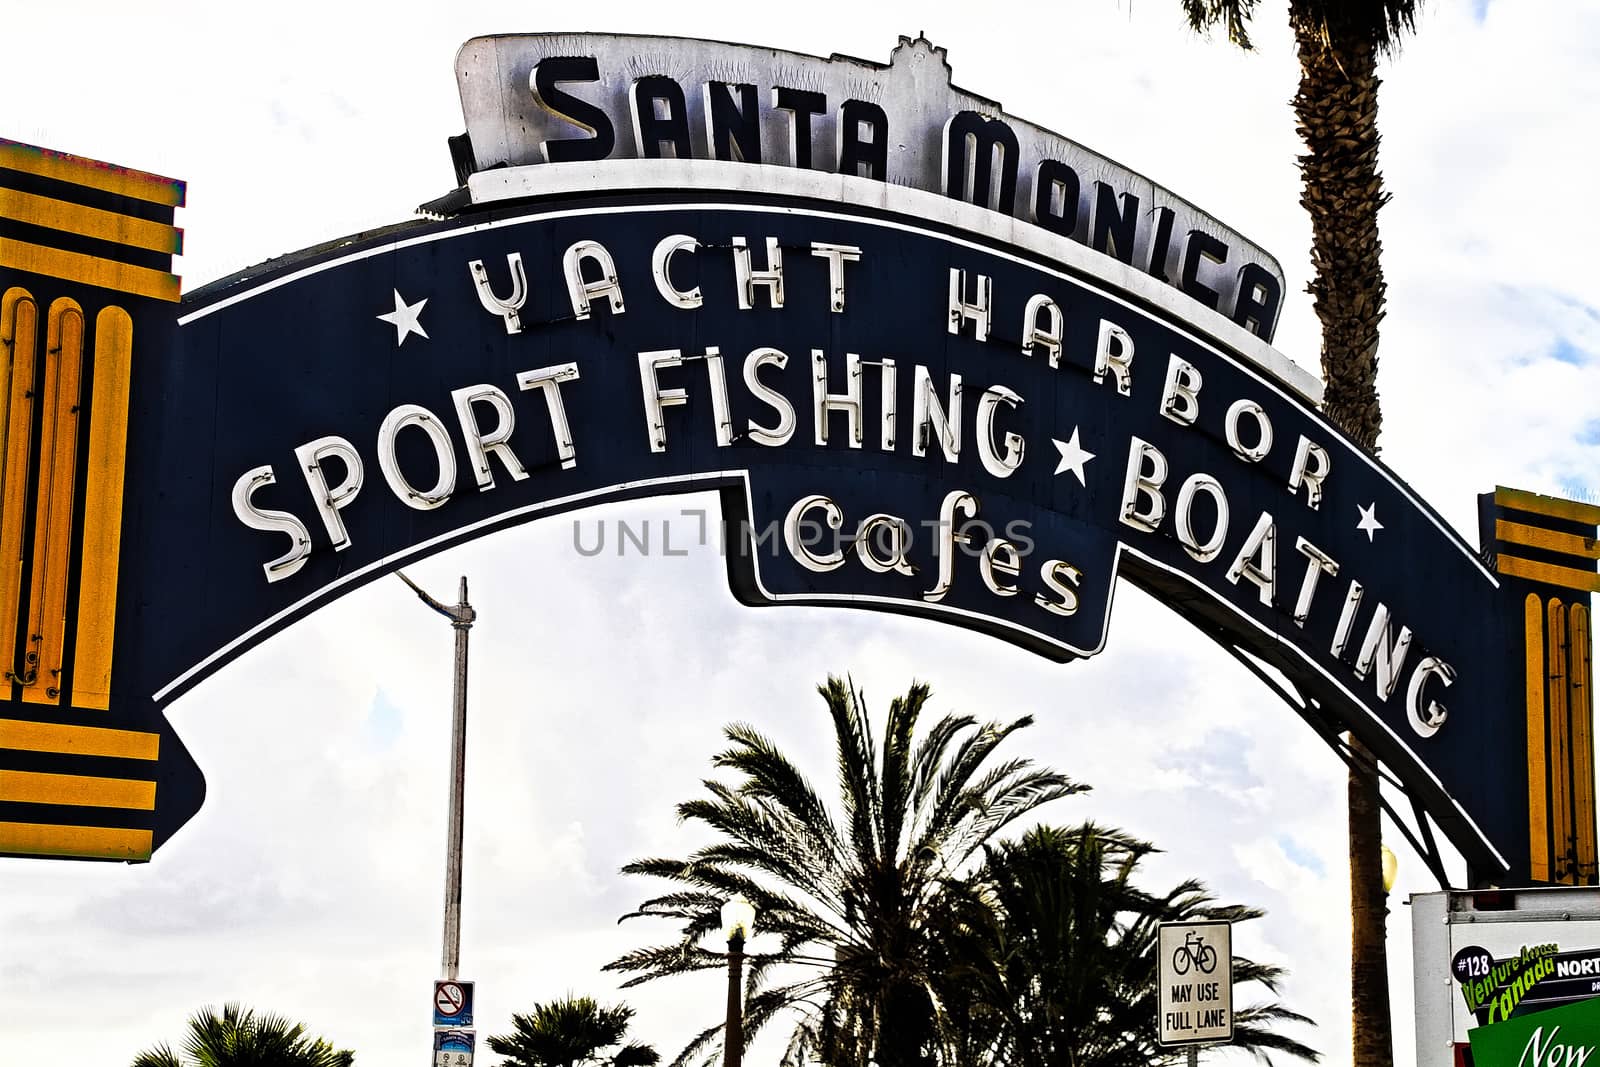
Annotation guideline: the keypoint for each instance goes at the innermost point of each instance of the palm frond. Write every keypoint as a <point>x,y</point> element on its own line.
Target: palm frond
<point>898,754</point>
<point>1233,15</point>
<point>857,766</point>
<point>160,1056</point>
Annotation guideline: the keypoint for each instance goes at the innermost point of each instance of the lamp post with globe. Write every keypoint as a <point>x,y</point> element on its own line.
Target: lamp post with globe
<point>738,921</point>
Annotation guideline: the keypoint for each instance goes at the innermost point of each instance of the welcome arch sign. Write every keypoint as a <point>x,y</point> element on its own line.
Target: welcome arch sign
<point>936,360</point>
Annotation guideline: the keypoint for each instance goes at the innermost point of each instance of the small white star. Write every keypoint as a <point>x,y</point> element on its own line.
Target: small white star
<point>1073,457</point>
<point>1369,523</point>
<point>404,319</point>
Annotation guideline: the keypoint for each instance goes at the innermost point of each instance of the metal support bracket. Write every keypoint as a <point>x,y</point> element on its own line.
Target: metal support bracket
<point>1421,839</point>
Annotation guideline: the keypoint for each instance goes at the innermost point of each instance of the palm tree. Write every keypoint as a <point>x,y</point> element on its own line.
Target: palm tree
<point>241,1038</point>
<point>1336,108</point>
<point>569,1033</point>
<point>1055,959</point>
<point>850,896</point>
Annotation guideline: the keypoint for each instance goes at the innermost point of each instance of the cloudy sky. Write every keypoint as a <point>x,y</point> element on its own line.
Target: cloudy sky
<point>310,883</point>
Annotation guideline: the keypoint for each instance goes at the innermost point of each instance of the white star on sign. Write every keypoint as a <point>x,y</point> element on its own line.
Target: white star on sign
<point>1073,457</point>
<point>404,319</point>
<point>1369,523</point>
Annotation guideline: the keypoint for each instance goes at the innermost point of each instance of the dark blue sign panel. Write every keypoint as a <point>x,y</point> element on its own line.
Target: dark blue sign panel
<point>899,416</point>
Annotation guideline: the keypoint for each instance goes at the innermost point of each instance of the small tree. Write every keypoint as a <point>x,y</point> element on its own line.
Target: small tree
<point>241,1038</point>
<point>856,884</point>
<point>1055,957</point>
<point>571,1032</point>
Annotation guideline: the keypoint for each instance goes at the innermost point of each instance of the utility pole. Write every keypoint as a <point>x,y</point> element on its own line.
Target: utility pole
<point>461,617</point>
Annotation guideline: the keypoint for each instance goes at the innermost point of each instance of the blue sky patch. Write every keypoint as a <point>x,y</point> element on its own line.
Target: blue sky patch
<point>1301,856</point>
<point>1564,351</point>
<point>384,720</point>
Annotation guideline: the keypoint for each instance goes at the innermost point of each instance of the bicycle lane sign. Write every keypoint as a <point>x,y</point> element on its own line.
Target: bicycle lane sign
<point>1194,1002</point>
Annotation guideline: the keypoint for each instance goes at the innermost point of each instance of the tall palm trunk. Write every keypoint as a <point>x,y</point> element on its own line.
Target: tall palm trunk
<point>1371,1033</point>
<point>1337,111</point>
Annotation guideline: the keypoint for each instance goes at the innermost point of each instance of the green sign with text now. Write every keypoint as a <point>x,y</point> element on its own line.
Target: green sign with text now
<point>1561,1037</point>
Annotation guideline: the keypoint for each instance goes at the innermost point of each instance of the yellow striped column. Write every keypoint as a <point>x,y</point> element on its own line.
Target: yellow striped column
<point>1550,546</point>
<point>85,257</point>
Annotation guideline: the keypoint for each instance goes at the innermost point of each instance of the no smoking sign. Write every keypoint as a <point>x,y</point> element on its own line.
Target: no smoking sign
<point>452,1004</point>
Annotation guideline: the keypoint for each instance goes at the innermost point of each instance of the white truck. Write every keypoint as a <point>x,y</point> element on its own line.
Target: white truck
<point>1483,956</point>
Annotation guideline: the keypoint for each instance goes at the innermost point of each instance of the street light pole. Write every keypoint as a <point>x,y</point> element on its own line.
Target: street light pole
<point>461,617</point>
<point>738,920</point>
<point>733,1038</point>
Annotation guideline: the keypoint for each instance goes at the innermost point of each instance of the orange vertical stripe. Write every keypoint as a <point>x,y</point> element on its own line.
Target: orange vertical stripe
<point>52,530</point>
<point>102,517</point>
<point>1538,770</point>
<point>1560,747</point>
<point>19,334</point>
<point>1580,705</point>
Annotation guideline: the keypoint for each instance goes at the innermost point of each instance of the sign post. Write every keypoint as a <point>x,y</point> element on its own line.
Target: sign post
<point>461,617</point>
<point>453,1040</point>
<point>453,1048</point>
<point>1483,958</point>
<point>1194,978</point>
<point>452,1004</point>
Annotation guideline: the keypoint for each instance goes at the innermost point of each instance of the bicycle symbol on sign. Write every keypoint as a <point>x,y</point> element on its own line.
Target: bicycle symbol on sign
<point>1193,950</point>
